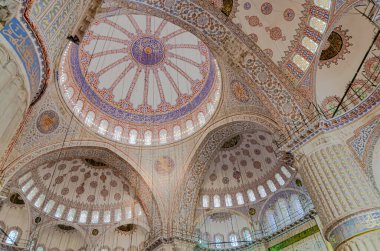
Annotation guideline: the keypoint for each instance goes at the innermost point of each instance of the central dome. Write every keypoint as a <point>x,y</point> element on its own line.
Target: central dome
<point>140,80</point>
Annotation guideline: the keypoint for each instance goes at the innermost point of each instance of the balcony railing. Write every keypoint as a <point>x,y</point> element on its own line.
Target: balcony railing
<point>257,236</point>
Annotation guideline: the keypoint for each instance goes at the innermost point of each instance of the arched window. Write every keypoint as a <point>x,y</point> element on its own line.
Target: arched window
<point>247,235</point>
<point>177,132</point>
<point>282,210</point>
<point>251,195</point>
<point>201,119</point>
<point>49,206</point>
<point>240,198</point>
<point>228,200</point>
<point>205,201</point>
<point>148,138</point>
<point>271,186</point>
<point>103,127</point>
<point>107,217</point>
<point>233,240</point>
<point>40,200</point>
<point>262,191</point>
<point>40,248</point>
<point>210,108</point>
<point>216,200</point>
<point>286,172</point>
<point>317,24</point>
<point>138,210</point>
<point>95,217</point>
<point>302,63</point>
<point>27,186</point>
<point>310,44</point>
<point>89,118</point>
<point>132,137</point>
<point>24,178</point>
<point>83,216</point>
<point>12,237</point>
<point>59,211</point>
<point>279,179</point>
<point>189,126</point>
<point>78,107</point>
<point>128,212</point>
<point>71,215</point>
<point>219,239</point>
<point>324,4</point>
<point>118,131</point>
<point>117,215</point>
<point>163,136</point>
<point>271,225</point>
<point>69,93</point>
<point>297,209</point>
<point>32,193</point>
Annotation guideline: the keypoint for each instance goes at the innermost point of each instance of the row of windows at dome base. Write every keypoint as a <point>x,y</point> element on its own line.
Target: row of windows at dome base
<point>118,133</point>
<point>228,201</point>
<point>220,241</point>
<point>311,41</point>
<point>60,211</point>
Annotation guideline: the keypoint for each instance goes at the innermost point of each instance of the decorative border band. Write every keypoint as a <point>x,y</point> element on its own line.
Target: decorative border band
<point>354,226</point>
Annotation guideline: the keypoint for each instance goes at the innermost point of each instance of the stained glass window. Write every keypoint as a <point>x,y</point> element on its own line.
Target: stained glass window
<point>317,24</point>
<point>324,4</point>
<point>40,200</point>
<point>302,63</point>
<point>163,136</point>
<point>107,217</point>
<point>228,200</point>
<point>240,198</point>
<point>148,138</point>
<point>262,191</point>
<point>59,211</point>
<point>177,132</point>
<point>279,179</point>
<point>71,214</point>
<point>117,133</point>
<point>95,217</point>
<point>49,206</point>
<point>310,44</point>
<point>132,137</point>
<point>271,186</point>
<point>251,195</point>
<point>234,240</point>
<point>32,193</point>
<point>103,127</point>
<point>12,237</point>
<point>205,201</point>
<point>216,201</point>
<point>83,216</point>
<point>285,172</point>
<point>89,118</point>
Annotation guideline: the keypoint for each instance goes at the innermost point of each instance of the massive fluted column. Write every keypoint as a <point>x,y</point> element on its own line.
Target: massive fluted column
<point>347,202</point>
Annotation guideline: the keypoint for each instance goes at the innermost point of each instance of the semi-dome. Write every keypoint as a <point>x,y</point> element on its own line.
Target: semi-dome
<point>140,79</point>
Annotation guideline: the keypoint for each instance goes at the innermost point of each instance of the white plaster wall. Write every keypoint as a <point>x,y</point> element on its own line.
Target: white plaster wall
<point>16,216</point>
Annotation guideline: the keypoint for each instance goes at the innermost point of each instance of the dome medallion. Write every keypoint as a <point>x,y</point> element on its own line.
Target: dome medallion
<point>148,51</point>
<point>140,80</point>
